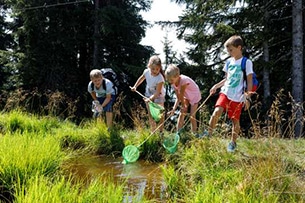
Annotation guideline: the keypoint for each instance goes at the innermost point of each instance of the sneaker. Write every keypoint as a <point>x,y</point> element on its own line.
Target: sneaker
<point>231,146</point>
<point>205,134</point>
<point>197,135</point>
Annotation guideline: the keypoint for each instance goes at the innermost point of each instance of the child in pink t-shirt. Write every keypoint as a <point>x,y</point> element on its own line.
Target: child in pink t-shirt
<point>187,92</point>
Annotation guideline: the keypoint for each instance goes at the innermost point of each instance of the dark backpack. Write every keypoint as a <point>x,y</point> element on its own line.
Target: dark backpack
<point>110,75</point>
<point>243,68</point>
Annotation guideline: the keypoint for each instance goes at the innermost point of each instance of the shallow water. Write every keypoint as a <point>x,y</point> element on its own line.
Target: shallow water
<point>142,177</point>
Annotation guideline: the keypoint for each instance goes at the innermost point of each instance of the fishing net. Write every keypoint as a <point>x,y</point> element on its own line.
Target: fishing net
<point>130,154</point>
<point>156,111</point>
<point>170,143</point>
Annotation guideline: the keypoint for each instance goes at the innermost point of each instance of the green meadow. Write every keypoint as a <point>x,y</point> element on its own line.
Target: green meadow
<point>33,150</point>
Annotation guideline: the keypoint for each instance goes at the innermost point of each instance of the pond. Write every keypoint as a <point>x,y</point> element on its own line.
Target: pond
<point>142,178</point>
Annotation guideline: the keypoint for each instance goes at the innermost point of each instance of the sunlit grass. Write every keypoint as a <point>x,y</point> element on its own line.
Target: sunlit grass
<point>43,189</point>
<point>261,170</point>
<point>32,150</point>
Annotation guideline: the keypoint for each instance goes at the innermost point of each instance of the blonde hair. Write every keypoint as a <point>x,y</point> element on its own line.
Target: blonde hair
<point>234,41</point>
<point>172,71</point>
<point>95,73</point>
<point>154,61</point>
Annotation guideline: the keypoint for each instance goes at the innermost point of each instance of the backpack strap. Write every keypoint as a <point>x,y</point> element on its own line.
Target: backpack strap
<point>92,86</point>
<point>103,84</point>
<point>227,65</point>
<point>243,68</point>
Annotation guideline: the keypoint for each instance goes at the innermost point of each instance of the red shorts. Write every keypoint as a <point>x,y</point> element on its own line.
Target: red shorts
<point>233,108</point>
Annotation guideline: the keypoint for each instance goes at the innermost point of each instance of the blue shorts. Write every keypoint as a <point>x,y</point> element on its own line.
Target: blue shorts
<point>108,107</point>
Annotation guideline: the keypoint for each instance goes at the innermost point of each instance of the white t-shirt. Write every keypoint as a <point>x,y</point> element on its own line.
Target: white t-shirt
<point>152,82</point>
<point>100,92</point>
<point>234,85</point>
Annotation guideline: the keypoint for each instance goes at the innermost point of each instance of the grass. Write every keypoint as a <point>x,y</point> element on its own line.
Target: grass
<point>33,150</point>
<point>262,170</point>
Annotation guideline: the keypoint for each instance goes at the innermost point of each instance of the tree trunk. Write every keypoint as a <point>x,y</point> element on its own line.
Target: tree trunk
<point>297,65</point>
<point>266,73</point>
<point>96,35</point>
<point>266,58</point>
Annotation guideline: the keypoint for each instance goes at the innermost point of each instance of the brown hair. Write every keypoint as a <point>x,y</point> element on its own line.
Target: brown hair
<point>156,61</point>
<point>234,41</point>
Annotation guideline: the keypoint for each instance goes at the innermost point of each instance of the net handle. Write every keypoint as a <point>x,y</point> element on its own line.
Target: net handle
<point>140,93</point>
<point>201,105</point>
<point>157,128</point>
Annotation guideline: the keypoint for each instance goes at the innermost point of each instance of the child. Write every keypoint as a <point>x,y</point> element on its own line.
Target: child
<point>187,92</point>
<point>154,91</point>
<point>103,98</point>
<point>232,95</point>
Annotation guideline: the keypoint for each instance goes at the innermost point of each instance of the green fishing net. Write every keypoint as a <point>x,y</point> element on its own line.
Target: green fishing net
<point>156,111</point>
<point>170,143</point>
<point>130,154</point>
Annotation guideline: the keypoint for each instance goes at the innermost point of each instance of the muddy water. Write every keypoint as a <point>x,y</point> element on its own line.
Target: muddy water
<point>143,178</point>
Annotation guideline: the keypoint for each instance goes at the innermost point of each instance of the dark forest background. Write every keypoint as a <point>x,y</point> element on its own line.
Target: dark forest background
<point>47,49</point>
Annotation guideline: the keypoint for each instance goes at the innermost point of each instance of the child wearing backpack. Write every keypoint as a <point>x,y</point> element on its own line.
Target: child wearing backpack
<point>154,90</point>
<point>187,93</point>
<point>232,95</point>
<point>103,95</point>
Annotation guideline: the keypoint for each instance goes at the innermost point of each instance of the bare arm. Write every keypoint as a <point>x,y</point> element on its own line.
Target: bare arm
<point>139,81</point>
<point>93,95</point>
<point>218,85</point>
<point>249,83</point>
<point>107,100</point>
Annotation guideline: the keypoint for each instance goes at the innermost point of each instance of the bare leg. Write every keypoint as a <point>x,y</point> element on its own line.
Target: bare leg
<point>214,119</point>
<point>109,117</point>
<point>193,118</point>
<point>235,130</point>
<point>180,120</point>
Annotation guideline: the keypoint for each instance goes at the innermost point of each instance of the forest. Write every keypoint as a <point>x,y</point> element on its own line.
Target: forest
<point>47,49</point>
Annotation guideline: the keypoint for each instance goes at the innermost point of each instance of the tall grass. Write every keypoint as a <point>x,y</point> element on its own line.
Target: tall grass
<point>44,189</point>
<point>264,169</point>
<point>25,155</point>
<point>260,171</point>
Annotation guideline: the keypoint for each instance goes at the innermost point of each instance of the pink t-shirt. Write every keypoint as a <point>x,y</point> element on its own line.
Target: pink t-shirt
<point>192,91</point>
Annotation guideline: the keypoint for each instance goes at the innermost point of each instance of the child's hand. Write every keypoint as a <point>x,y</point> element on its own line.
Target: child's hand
<point>247,104</point>
<point>171,112</point>
<point>146,99</point>
<point>99,108</point>
<point>213,90</point>
<point>96,102</point>
<point>133,88</point>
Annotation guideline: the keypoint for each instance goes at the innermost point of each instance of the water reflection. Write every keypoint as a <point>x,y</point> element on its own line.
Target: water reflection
<point>142,178</point>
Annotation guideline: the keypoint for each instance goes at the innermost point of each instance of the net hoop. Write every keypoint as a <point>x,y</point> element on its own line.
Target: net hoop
<point>156,111</point>
<point>171,143</point>
<point>130,154</point>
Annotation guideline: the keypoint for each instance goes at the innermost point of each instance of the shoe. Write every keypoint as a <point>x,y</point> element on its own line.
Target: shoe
<point>205,134</point>
<point>231,146</point>
<point>197,135</point>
